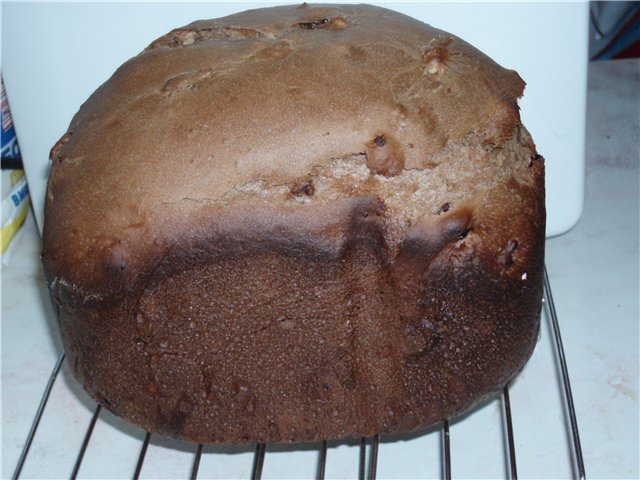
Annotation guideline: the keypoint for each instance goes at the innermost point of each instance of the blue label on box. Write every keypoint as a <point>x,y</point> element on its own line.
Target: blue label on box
<point>9,141</point>
<point>20,195</point>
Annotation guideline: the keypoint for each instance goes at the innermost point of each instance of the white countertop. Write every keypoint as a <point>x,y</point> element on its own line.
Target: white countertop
<point>593,271</point>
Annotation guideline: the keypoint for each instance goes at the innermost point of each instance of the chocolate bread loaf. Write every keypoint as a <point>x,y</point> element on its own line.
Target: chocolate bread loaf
<point>297,223</point>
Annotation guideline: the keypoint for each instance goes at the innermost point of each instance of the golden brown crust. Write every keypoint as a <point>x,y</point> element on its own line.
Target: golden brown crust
<point>297,223</point>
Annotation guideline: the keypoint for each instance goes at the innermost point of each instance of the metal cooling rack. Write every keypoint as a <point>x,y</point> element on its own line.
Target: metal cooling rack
<point>368,451</point>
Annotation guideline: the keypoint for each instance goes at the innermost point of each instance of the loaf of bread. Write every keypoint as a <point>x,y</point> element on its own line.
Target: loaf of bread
<point>297,223</point>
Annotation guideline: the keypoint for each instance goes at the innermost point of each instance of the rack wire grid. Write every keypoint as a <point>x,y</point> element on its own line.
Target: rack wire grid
<point>367,457</point>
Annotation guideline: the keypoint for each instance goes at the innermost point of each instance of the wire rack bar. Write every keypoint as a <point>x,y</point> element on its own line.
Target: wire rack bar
<point>510,437</point>
<point>258,461</point>
<point>575,434</point>
<point>85,442</point>
<point>196,462</point>
<point>446,451</point>
<point>373,459</point>
<point>36,420</point>
<point>362,464</point>
<point>322,462</point>
<point>143,452</point>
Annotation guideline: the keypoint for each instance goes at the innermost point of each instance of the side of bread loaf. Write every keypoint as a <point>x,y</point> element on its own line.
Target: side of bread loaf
<point>297,223</point>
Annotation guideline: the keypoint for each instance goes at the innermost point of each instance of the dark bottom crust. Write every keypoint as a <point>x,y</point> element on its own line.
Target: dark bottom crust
<point>278,347</point>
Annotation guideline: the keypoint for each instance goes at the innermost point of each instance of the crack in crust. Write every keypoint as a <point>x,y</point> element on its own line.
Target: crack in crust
<point>184,37</point>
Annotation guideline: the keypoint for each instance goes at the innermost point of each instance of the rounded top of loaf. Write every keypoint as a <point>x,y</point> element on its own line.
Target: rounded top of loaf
<point>255,100</point>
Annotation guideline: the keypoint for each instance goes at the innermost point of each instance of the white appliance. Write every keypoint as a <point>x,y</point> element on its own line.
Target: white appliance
<point>54,55</point>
